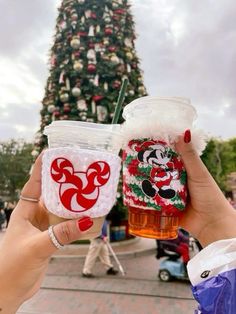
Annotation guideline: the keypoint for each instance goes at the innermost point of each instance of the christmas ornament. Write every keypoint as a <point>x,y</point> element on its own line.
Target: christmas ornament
<point>106,41</point>
<point>114,59</point>
<point>74,24</point>
<point>91,54</point>
<point>105,86</point>
<point>76,91</point>
<point>131,92</point>
<point>91,68</point>
<point>75,43</point>
<point>108,31</point>
<point>81,105</point>
<point>83,116</point>
<point>129,55</point>
<point>51,108</point>
<point>88,14</point>
<point>56,113</point>
<point>141,90</point>
<point>74,17</point>
<point>64,97</point>
<point>81,1</point>
<point>97,98</point>
<point>102,113</point>
<point>116,84</point>
<point>112,48</point>
<point>66,108</point>
<point>128,43</point>
<point>91,31</point>
<point>78,66</point>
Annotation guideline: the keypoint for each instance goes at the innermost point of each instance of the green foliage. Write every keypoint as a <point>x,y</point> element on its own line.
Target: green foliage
<point>15,164</point>
<point>220,159</point>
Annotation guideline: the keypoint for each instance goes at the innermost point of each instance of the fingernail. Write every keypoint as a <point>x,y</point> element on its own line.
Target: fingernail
<point>84,223</point>
<point>187,136</point>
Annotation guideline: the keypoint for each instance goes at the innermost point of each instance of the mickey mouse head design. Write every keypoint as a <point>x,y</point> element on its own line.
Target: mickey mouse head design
<point>78,190</point>
<point>161,174</point>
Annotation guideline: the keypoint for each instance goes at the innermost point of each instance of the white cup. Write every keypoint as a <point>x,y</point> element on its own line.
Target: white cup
<point>80,171</point>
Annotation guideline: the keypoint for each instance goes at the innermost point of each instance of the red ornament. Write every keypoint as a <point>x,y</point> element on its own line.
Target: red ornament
<point>112,48</point>
<point>108,31</point>
<point>93,15</point>
<point>56,113</point>
<point>97,98</point>
<point>66,108</point>
<point>119,11</point>
<point>91,68</point>
<point>116,84</point>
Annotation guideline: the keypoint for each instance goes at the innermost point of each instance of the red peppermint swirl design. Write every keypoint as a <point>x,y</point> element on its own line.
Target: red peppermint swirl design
<point>79,191</point>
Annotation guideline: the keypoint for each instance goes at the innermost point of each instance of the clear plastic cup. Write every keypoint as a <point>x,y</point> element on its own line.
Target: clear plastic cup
<point>154,178</point>
<point>80,171</point>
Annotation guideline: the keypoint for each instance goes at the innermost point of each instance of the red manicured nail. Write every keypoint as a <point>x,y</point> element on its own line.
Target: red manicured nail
<point>85,223</point>
<point>187,136</point>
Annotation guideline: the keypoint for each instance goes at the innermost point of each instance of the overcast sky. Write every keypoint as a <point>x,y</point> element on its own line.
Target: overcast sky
<point>187,48</point>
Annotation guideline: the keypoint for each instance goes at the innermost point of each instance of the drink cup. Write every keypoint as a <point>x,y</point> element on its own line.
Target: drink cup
<point>154,178</point>
<point>80,172</point>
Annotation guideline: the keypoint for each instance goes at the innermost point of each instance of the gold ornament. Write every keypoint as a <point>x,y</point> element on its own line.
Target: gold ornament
<point>114,59</point>
<point>75,43</point>
<point>64,97</point>
<point>78,66</point>
<point>129,55</point>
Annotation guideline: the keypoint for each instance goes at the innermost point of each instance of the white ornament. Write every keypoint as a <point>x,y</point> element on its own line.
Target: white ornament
<point>98,29</point>
<point>128,43</point>
<point>102,113</point>
<point>96,80</point>
<point>51,108</point>
<point>76,91</point>
<point>81,105</point>
<point>88,13</point>
<point>91,31</point>
<point>91,54</point>
<point>81,1</point>
<point>105,86</point>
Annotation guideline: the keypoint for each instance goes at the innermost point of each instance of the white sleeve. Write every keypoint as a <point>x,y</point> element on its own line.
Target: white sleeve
<point>218,257</point>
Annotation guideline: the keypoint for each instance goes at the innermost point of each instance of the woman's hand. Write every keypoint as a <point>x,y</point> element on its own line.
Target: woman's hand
<point>209,216</point>
<point>26,247</point>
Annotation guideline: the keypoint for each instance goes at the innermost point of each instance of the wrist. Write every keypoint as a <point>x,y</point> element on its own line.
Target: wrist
<point>220,229</point>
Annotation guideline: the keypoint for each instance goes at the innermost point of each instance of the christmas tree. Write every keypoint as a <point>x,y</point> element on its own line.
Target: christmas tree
<point>93,51</point>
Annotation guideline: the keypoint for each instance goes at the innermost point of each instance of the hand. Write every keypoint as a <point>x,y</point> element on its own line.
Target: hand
<point>26,248</point>
<point>209,216</point>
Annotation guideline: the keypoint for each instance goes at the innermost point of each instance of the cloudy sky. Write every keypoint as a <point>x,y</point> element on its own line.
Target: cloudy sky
<point>187,48</point>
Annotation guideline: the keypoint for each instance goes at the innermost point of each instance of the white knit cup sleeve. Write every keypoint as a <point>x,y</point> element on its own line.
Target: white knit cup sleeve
<point>78,182</point>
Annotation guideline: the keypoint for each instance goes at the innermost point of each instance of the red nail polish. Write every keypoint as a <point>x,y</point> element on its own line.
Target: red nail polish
<point>85,223</point>
<point>187,136</point>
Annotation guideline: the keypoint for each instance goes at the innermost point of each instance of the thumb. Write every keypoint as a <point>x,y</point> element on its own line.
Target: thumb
<point>65,233</point>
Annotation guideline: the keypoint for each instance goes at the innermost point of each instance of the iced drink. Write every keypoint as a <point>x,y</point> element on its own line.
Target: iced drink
<point>80,171</point>
<point>154,178</point>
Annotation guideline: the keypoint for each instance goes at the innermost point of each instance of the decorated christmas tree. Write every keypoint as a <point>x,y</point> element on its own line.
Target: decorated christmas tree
<point>93,51</point>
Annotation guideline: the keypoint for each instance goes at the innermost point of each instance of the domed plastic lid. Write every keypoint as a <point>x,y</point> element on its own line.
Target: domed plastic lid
<point>160,106</point>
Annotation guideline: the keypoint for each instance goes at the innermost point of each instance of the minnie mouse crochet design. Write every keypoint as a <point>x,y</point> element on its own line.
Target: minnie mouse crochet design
<point>162,172</point>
